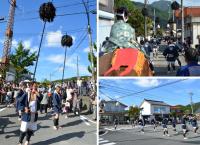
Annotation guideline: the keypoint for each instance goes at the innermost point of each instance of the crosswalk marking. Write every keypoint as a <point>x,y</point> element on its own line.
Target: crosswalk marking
<point>85,120</point>
<point>112,143</point>
<point>2,109</point>
<point>105,142</point>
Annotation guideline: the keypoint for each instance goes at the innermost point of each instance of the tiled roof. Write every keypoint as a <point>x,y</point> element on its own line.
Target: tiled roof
<point>154,102</point>
<point>189,11</point>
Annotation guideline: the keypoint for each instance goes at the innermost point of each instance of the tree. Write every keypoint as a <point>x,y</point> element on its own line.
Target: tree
<point>45,82</point>
<point>21,59</point>
<point>136,19</point>
<point>134,112</point>
<point>94,61</point>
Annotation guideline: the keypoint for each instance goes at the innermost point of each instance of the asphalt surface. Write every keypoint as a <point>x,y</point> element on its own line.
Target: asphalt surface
<point>160,64</point>
<point>75,130</point>
<point>132,136</point>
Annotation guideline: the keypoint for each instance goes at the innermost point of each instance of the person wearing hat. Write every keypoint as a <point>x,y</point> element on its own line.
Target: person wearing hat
<point>57,106</point>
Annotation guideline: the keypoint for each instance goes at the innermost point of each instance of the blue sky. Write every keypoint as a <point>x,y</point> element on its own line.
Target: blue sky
<point>52,54</point>
<point>186,2</point>
<point>174,94</point>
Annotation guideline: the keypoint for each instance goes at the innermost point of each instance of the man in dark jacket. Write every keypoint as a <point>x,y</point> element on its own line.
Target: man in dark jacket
<point>57,106</point>
<point>171,55</point>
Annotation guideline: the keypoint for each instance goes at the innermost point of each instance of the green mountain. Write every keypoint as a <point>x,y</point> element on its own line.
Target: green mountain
<point>161,5</point>
<point>161,9</point>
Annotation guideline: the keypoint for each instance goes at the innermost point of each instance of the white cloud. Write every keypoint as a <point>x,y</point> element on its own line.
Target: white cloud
<point>34,49</point>
<point>27,43</point>
<point>146,83</point>
<point>53,38</point>
<point>14,43</point>
<point>86,50</point>
<point>59,58</point>
<point>70,63</point>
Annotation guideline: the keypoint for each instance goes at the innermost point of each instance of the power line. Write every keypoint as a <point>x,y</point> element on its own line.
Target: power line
<point>47,33</point>
<point>58,7</point>
<point>152,88</point>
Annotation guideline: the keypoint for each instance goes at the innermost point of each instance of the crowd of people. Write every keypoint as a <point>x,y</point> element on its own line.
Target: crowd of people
<point>53,100</point>
<point>185,121</point>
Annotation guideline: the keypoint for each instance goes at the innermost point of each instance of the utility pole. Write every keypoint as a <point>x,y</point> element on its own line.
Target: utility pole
<point>50,76</point>
<point>154,21</point>
<point>90,42</point>
<point>77,69</point>
<point>8,39</point>
<point>182,15</point>
<point>169,12</point>
<point>191,102</point>
<point>145,20</point>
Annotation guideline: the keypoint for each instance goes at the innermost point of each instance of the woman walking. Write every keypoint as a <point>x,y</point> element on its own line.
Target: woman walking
<point>44,102</point>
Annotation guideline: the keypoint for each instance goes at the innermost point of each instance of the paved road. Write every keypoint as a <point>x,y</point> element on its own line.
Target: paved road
<point>160,65</point>
<point>133,136</point>
<point>76,130</point>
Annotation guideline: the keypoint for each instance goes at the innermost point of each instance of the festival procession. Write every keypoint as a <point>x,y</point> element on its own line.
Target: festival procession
<point>48,92</point>
<point>149,112</point>
<point>149,38</point>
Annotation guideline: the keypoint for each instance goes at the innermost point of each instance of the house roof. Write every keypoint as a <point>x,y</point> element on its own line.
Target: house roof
<point>113,101</point>
<point>154,102</point>
<point>189,11</point>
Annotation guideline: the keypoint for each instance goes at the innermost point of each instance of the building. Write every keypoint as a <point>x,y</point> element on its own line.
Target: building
<point>197,113</point>
<point>11,73</point>
<point>106,18</point>
<point>176,110</point>
<point>191,23</point>
<point>112,110</point>
<point>154,108</point>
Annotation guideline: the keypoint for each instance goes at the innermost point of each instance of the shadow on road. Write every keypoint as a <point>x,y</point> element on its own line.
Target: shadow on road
<point>4,123</point>
<point>61,138</point>
<point>73,123</point>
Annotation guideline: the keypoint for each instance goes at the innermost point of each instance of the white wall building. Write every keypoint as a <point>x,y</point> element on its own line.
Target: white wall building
<point>154,108</point>
<point>106,19</point>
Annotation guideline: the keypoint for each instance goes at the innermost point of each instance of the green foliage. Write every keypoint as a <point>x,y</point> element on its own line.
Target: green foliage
<point>21,59</point>
<point>136,19</point>
<point>159,32</point>
<point>45,83</point>
<point>94,60</point>
<point>161,8</point>
<point>134,112</point>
